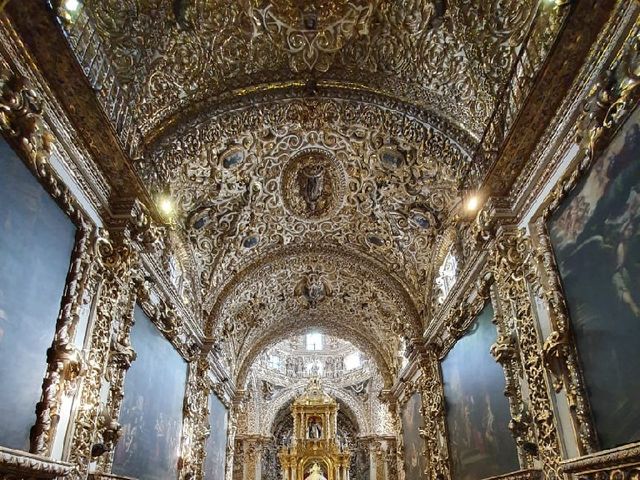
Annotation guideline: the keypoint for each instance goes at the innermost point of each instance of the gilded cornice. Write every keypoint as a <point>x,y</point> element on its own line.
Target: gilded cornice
<point>578,30</point>
<point>40,34</point>
<point>561,134</point>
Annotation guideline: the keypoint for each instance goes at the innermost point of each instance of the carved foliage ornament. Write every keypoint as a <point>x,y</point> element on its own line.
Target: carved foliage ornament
<point>311,32</point>
<point>432,52</point>
<point>322,171</point>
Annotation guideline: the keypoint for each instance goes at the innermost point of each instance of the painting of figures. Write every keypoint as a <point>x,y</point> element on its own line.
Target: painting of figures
<point>151,414</point>
<point>415,463</point>
<point>477,410</point>
<point>596,238</point>
<point>216,446</point>
<point>36,240</point>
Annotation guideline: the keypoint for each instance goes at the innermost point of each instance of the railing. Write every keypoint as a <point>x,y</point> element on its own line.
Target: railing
<point>89,50</point>
<point>533,52</point>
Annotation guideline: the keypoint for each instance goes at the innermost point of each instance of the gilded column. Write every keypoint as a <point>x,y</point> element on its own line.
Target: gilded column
<point>434,432</point>
<point>115,265</point>
<point>511,257</point>
<point>195,429</point>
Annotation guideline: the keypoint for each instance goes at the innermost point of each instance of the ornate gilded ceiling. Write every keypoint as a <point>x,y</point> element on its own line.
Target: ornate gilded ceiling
<point>316,151</point>
<point>450,58</point>
<point>385,186</point>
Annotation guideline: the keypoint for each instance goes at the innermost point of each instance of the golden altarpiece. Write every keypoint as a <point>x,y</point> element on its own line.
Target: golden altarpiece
<point>315,451</point>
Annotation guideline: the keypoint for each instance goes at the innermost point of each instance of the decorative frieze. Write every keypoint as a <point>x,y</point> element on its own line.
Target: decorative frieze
<point>15,465</point>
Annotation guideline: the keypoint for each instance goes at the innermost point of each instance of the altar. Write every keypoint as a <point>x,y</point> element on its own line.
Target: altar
<point>314,452</point>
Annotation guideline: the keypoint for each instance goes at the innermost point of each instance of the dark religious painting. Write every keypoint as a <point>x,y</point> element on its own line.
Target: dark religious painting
<point>216,446</point>
<point>36,240</point>
<point>415,463</point>
<point>477,410</point>
<point>151,414</point>
<point>596,237</point>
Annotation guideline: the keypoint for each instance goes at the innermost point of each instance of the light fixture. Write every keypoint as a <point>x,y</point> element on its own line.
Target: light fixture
<point>472,203</point>
<point>166,206</point>
<point>71,6</point>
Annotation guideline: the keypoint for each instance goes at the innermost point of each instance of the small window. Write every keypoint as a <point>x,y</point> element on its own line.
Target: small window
<point>314,341</point>
<point>352,361</point>
<point>447,275</point>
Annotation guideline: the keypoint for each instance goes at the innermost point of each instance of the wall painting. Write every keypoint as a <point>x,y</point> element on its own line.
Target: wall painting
<point>596,238</point>
<point>478,413</point>
<point>36,241</point>
<point>216,446</point>
<point>415,463</point>
<point>151,414</point>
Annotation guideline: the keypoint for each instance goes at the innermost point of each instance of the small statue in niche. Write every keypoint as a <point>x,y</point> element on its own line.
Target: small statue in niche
<point>315,473</point>
<point>312,289</point>
<point>311,183</point>
<point>315,428</point>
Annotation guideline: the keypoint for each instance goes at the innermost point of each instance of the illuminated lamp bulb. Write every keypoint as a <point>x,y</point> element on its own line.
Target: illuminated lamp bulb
<point>472,203</point>
<point>166,205</point>
<point>71,5</point>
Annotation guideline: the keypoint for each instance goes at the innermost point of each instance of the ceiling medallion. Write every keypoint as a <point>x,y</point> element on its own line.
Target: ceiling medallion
<point>312,31</point>
<point>313,184</point>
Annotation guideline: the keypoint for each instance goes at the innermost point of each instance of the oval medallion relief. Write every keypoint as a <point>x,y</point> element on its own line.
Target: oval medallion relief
<point>312,184</point>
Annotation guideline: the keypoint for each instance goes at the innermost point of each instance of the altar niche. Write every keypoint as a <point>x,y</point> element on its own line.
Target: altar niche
<point>314,453</point>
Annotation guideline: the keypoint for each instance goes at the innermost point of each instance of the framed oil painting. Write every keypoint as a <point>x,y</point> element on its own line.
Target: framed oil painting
<point>415,463</point>
<point>216,446</point>
<point>477,411</point>
<point>595,234</point>
<point>151,414</point>
<point>36,241</point>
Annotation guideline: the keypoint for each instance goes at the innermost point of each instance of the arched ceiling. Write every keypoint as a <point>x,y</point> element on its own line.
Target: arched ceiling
<point>302,287</point>
<point>389,184</point>
<point>450,57</point>
<point>316,151</point>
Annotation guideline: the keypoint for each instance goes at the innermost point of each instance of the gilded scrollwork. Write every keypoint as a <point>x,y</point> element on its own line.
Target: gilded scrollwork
<point>388,183</point>
<point>377,45</point>
<point>511,265</point>
<point>609,101</point>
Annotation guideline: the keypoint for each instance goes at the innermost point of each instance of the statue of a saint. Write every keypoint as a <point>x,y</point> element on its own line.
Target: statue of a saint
<point>311,181</point>
<point>315,430</point>
<point>315,473</point>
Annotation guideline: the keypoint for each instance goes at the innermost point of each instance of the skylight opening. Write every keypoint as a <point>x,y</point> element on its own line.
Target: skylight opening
<point>352,361</point>
<point>314,341</point>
